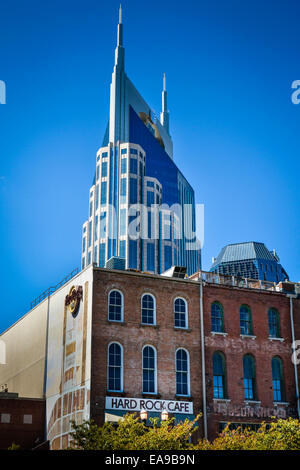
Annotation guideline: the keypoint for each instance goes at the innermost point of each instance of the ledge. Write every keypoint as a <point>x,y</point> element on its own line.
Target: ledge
<point>252,402</point>
<point>226,400</point>
<point>183,398</point>
<point>220,333</point>
<point>248,336</point>
<point>116,322</point>
<point>272,338</point>
<point>142,325</point>
<point>115,394</point>
<point>280,403</point>
<point>151,395</point>
<point>177,328</point>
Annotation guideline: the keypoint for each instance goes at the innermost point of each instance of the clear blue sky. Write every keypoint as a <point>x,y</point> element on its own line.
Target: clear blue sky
<point>229,66</point>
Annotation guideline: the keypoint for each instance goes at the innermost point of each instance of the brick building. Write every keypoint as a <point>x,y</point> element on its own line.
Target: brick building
<point>22,421</point>
<point>113,342</point>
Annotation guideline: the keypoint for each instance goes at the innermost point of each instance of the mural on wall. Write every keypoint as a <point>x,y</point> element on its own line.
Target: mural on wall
<point>68,375</point>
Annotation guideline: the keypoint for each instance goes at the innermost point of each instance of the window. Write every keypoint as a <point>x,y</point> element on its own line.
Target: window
<point>217,318</point>
<point>83,263</point>
<point>115,367</point>
<point>90,234</point>
<point>123,222</point>
<point>180,313</point>
<point>103,197</point>
<point>148,309</point>
<point>133,166</point>
<point>123,165</point>
<point>102,255</point>
<point>182,372</point>
<point>133,191</point>
<point>123,191</point>
<point>5,418</point>
<point>249,377</point>
<point>133,151</point>
<point>104,169</point>
<point>273,320</point>
<point>115,306</point>
<point>27,419</point>
<point>123,151</point>
<point>277,379</point>
<point>149,369</point>
<point>102,224</point>
<point>245,320</point>
<point>219,375</point>
<point>123,249</point>
<point>150,198</point>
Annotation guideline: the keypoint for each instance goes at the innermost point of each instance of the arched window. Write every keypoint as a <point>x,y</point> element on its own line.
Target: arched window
<point>277,378</point>
<point>217,318</point>
<point>115,306</point>
<point>115,368</point>
<point>182,372</point>
<point>148,309</point>
<point>249,377</point>
<point>245,320</point>
<point>273,320</point>
<point>219,374</point>
<point>149,369</point>
<point>180,313</point>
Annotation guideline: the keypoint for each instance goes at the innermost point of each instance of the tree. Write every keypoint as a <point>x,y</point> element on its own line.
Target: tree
<point>131,434</point>
<point>283,434</point>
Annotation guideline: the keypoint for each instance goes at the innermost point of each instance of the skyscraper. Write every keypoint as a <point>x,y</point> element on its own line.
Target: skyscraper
<point>141,207</point>
<point>251,260</point>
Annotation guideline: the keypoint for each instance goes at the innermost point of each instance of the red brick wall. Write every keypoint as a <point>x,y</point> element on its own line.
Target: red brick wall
<point>235,347</point>
<point>133,336</point>
<point>166,340</point>
<point>26,436</point>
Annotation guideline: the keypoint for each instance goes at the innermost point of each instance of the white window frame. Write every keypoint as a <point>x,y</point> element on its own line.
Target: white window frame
<point>122,368</point>
<point>188,373</point>
<point>122,306</point>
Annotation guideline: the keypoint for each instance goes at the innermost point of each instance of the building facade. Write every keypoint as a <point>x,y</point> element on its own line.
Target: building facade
<point>249,260</point>
<point>141,207</point>
<point>118,341</point>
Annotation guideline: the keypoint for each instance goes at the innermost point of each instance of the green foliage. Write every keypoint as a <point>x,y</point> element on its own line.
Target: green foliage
<point>132,434</point>
<point>14,447</point>
<point>283,434</point>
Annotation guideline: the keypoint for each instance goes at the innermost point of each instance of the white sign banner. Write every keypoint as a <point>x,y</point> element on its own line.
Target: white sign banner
<point>138,404</point>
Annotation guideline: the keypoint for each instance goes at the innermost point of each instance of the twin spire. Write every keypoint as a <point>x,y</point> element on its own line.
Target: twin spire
<point>119,63</point>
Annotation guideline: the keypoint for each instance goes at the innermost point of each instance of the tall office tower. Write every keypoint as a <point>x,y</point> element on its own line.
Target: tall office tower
<point>141,207</point>
<point>249,259</point>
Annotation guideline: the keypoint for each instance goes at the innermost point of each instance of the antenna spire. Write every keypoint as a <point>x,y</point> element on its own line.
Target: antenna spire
<point>164,115</point>
<point>120,14</point>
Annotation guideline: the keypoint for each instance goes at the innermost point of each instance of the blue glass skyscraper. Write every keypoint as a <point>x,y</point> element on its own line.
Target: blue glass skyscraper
<point>141,207</point>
